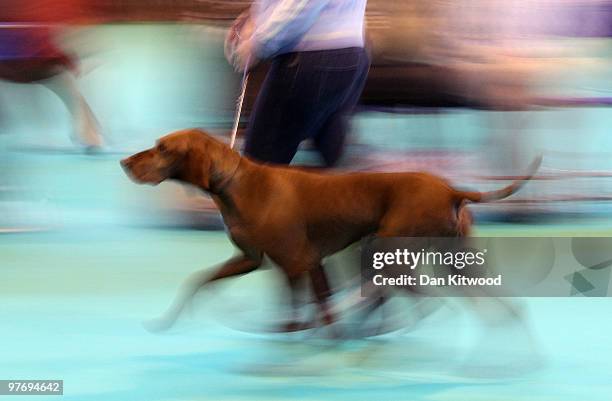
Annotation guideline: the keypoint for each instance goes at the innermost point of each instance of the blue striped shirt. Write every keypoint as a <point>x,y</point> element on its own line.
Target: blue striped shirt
<point>283,26</point>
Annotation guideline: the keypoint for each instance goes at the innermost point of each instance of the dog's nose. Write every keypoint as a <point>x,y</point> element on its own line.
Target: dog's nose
<point>125,163</point>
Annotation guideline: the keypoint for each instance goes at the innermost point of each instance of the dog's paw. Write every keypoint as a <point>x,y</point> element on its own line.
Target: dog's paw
<point>156,325</point>
<point>294,326</point>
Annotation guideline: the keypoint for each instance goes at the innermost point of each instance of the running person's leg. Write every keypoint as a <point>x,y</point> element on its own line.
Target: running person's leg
<point>271,134</point>
<point>330,139</point>
<point>300,93</point>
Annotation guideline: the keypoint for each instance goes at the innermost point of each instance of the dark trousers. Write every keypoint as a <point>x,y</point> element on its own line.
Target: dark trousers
<point>306,95</point>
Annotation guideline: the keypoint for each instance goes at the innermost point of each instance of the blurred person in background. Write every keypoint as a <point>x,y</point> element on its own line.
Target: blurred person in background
<point>29,53</point>
<point>318,69</point>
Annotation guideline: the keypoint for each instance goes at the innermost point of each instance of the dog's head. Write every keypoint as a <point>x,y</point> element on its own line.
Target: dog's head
<point>186,155</point>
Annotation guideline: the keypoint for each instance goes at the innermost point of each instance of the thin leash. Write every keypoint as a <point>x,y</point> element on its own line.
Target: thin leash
<point>239,102</point>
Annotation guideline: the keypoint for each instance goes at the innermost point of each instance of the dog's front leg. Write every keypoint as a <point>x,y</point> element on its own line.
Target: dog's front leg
<point>320,287</point>
<point>295,322</point>
<point>235,266</point>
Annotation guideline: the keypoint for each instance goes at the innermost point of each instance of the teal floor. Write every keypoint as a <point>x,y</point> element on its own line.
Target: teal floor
<point>73,303</point>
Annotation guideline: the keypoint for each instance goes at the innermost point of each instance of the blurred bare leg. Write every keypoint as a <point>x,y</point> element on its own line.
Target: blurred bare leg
<point>85,124</point>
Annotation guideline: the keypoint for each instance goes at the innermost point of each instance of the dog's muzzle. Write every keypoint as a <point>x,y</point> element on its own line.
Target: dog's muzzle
<point>140,174</point>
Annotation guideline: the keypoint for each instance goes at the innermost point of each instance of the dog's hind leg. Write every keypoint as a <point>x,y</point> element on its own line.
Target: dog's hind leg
<point>234,267</point>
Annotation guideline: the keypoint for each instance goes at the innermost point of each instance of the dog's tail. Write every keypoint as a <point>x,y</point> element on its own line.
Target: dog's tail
<point>474,196</point>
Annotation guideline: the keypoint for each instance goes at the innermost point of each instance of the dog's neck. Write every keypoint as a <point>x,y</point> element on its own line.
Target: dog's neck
<point>220,181</point>
<point>222,178</point>
<point>226,187</point>
<point>221,171</point>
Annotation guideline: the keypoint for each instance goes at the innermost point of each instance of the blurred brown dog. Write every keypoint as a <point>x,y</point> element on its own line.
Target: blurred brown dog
<point>298,217</point>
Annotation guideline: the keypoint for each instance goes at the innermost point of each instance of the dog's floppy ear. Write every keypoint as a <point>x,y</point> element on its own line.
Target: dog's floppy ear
<point>198,164</point>
<point>206,160</point>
